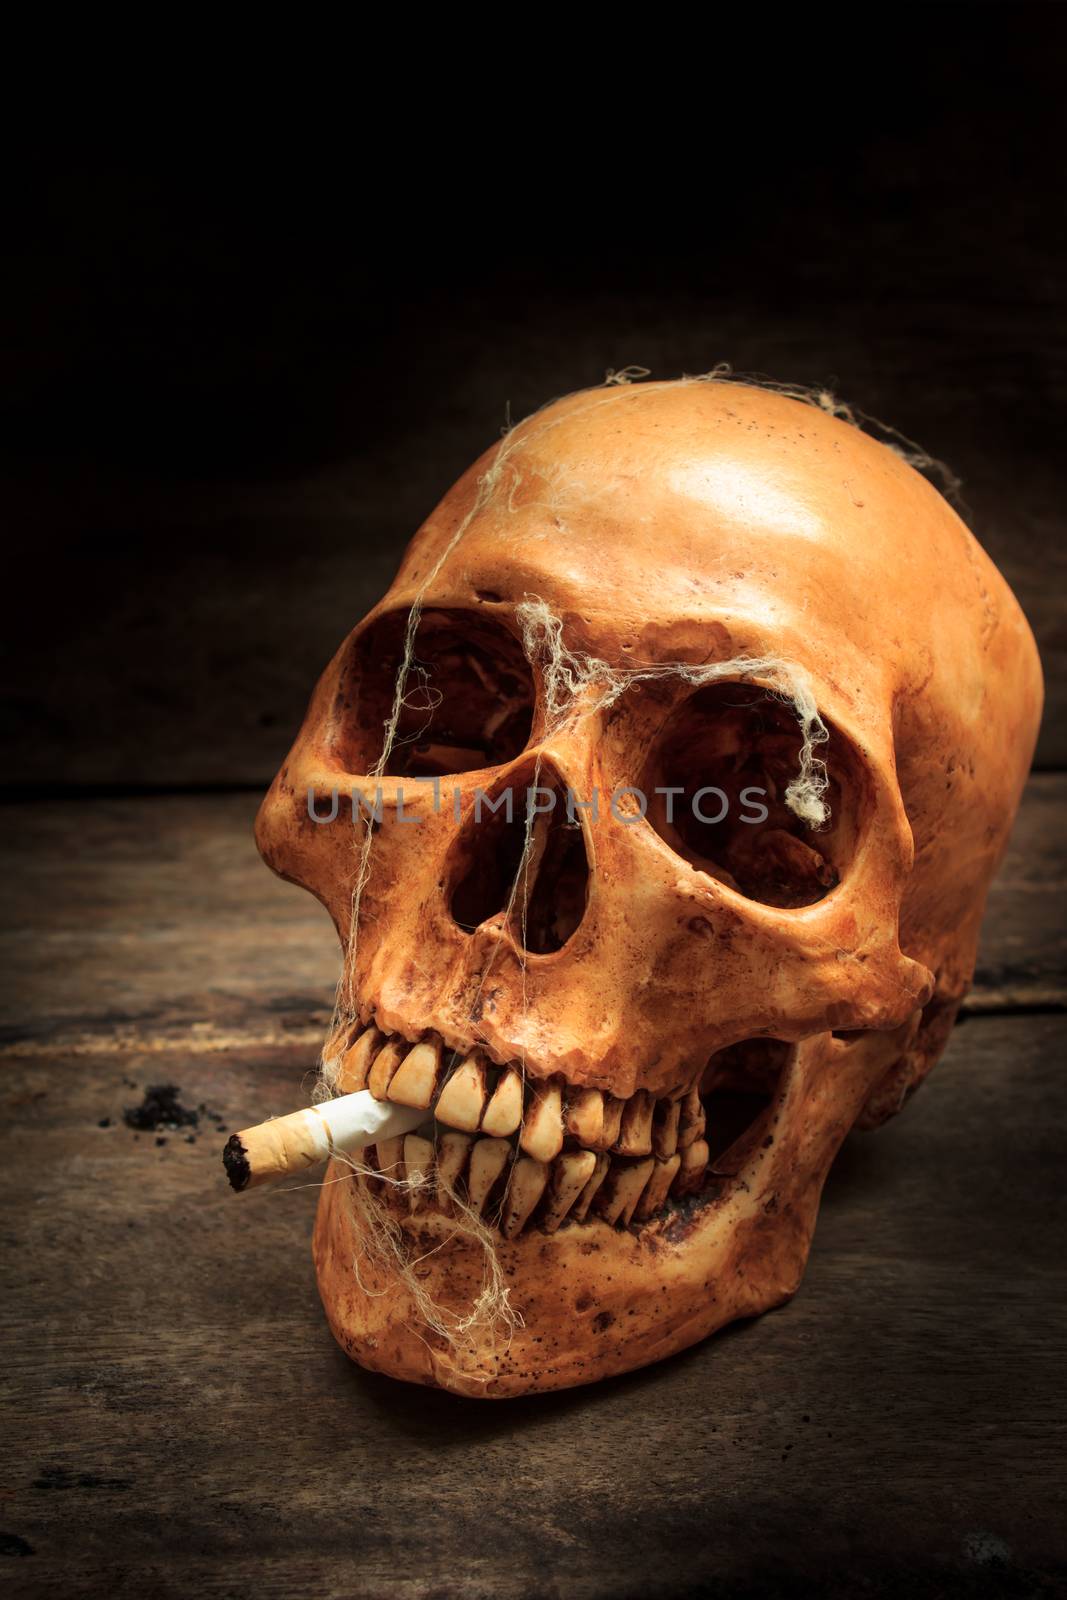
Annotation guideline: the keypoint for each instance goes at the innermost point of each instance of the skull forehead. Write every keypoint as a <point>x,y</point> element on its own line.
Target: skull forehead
<point>699,499</point>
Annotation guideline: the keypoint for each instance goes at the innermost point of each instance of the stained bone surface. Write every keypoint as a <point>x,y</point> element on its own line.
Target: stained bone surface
<point>817,699</point>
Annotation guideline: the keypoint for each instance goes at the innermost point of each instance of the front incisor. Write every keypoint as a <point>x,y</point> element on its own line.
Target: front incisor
<point>417,1167</point>
<point>390,1157</point>
<point>452,1152</point>
<point>463,1096</point>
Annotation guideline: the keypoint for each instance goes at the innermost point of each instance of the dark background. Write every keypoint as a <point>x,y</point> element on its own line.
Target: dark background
<point>237,382</point>
<point>238,372</point>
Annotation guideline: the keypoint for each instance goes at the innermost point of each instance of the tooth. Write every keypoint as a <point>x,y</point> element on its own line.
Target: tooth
<point>658,1187</point>
<point>585,1117</point>
<point>385,1064</point>
<point>504,1111</point>
<point>620,1194</point>
<point>613,1109</point>
<point>418,1165</point>
<point>570,1174</point>
<point>527,1185</point>
<point>488,1160</point>
<point>463,1096</point>
<point>691,1123</point>
<point>356,1061</point>
<point>665,1129</point>
<point>585,1199</point>
<point>452,1149</point>
<point>542,1129</point>
<point>693,1166</point>
<point>389,1154</point>
<point>635,1136</point>
<point>415,1079</point>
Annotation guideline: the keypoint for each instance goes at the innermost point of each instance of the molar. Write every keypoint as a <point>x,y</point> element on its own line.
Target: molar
<point>694,1161</point>
<point>625,1184</point>
<point>691,1123</point>
<point>665,1129</point>
<point>658,1187</point>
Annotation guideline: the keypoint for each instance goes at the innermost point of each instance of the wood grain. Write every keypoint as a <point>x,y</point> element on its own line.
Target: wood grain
<point>179,1420</point>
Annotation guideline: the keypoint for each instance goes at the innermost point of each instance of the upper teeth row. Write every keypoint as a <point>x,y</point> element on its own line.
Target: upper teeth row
<point>661,1141</point>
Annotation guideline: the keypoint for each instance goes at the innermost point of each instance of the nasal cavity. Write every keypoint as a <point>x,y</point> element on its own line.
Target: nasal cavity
<point>521,858</point>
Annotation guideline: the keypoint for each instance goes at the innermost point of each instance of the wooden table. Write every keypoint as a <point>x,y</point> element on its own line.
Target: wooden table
<point>227,413</point>
<point>181,1422</point>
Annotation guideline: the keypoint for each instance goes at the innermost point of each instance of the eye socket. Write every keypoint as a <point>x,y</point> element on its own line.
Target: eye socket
<point>468,703</point>
<point>742,744</point>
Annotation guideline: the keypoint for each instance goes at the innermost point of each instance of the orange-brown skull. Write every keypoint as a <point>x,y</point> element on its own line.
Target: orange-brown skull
<point>648,1034</point>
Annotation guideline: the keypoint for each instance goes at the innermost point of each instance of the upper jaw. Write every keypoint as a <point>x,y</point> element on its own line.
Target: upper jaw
<point>524,1153</point>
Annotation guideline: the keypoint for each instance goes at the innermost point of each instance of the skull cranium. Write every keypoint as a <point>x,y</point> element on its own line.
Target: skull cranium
<point>649,1031</point>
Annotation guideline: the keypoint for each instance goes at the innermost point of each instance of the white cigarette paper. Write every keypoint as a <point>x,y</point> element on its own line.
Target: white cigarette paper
<point>305,1138</point>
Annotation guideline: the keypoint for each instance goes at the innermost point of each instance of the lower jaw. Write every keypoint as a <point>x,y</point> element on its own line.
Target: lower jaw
<point>591,1301</point>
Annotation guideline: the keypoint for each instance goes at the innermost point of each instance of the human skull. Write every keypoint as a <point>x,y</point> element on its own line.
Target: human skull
<point>643,1034</point>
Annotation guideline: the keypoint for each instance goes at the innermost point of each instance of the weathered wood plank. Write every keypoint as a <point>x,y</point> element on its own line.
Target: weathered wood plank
<point>179,1421</point>
<point>1022,959</point>
<point>155,920</point>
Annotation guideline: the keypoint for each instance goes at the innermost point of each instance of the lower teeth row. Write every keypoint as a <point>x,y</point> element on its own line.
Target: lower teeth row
<point>481,1174</point>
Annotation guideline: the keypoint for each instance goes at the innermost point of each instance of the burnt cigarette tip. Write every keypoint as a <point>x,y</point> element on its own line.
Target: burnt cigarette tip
<point>235,1160</point>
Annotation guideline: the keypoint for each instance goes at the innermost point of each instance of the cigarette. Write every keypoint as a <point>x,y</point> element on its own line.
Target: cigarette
<point>303,1139</point>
